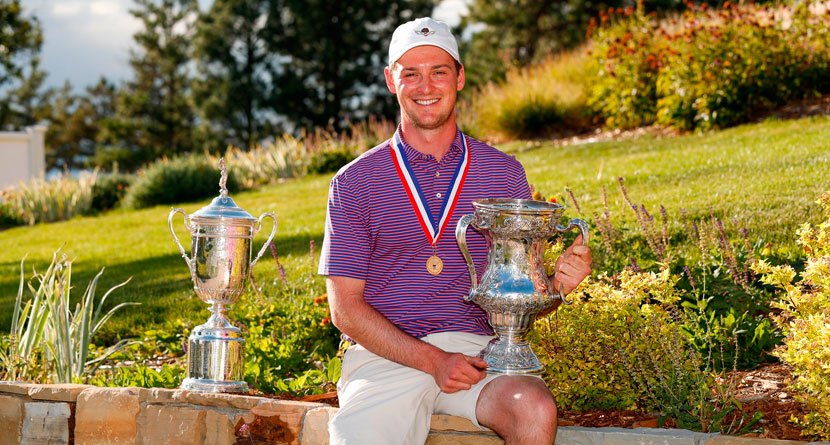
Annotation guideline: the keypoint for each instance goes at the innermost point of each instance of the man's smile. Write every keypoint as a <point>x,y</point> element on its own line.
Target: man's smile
<point>426,101</point>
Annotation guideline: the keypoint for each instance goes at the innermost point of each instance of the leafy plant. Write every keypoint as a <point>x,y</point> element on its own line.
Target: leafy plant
<point>48,323</point>
<point>41,200</point>
<point>183,179</point>
<point>109,189</point>
<point>805,322</point>
<point>169,376</point>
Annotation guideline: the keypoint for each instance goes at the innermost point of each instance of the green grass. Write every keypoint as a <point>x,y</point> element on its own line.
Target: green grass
<point>765,175</point>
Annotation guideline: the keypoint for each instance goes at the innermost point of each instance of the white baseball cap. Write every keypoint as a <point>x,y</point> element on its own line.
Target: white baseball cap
<point>422,31</point>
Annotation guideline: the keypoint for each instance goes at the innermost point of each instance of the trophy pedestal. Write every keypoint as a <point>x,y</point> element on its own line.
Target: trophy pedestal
<point>510,354</point>
<point>216,357</point>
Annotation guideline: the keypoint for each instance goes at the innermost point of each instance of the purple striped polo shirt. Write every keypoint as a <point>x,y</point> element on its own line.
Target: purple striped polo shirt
<point>373,233</point>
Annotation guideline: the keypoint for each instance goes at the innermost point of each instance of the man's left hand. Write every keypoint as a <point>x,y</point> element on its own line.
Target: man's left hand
<point>572,266</point>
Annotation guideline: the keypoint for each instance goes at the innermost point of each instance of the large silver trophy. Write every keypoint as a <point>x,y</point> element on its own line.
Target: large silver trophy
<point>514,287</point>
<point>222,235</point>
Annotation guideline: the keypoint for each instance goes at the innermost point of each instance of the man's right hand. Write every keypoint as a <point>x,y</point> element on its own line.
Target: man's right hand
<point>456,372</point>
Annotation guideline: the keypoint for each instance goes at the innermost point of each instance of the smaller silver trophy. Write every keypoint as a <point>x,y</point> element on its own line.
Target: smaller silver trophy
<point>514,287</point>
<point>222,235</point>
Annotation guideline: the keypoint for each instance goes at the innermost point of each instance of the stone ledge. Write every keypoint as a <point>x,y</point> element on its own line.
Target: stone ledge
<point>142,415</point>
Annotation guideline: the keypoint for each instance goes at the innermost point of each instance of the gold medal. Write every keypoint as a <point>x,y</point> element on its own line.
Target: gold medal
<point>435,265</point>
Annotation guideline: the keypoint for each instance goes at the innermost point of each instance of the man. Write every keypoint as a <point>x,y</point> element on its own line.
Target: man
<point>396,285</point>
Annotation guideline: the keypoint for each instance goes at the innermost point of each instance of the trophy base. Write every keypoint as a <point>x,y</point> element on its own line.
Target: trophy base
<point>213,385</point>
<point>510,355</point>
<point>215,358</point>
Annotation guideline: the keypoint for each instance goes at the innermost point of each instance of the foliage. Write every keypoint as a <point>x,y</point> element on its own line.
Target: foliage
<point>312,152</point>
<point>57,199</point>
<point>805,321</point>
<point>21,38</point>
<point>20,353</point>
<point>182,179</point>
<point>336,54</point>
<point>543,100</point>
<point>47,323</point>
<point>169,376</point>
<point>707,68</point>
<point>75,124</point>
<point>153,115</point>
<point>515,34</point>
<point>236,74</point>
<point>624,92</point>
<point>285,335</point>
<point>109,189</point>
<point>681,382</point>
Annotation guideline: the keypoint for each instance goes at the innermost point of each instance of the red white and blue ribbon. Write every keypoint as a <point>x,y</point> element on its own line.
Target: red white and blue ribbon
<point>432,229</point>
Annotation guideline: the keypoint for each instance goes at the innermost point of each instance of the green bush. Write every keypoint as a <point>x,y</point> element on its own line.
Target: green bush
<point>708,68</point>
<point>171,181</point>
<point>583,346</point>
<point>626,62</point>
<point>109,189</point>
<point>805,321</point>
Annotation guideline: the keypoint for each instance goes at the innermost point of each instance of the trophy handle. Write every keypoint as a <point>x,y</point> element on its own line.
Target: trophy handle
<point>268,241</point>
<point>176,238</point>
<point>584,231</point>
<point>461,238</point>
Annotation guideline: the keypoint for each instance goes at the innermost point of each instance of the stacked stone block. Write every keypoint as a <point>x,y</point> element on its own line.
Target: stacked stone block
<point>80,414</point>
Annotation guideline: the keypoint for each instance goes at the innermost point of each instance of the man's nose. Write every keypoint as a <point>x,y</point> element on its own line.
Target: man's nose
<point>426,85</point>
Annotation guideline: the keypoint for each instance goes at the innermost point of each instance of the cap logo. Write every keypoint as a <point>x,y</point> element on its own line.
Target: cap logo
<point>424,32</point>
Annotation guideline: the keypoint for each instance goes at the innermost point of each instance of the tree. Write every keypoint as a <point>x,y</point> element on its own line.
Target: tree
<point>334,53</point>
<point>153,116</point>
<point>236,74</point>
<point>75,122</point>
<point>20,75</point>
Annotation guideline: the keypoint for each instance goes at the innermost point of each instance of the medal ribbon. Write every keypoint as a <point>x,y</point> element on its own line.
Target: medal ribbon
<point>416,195</point>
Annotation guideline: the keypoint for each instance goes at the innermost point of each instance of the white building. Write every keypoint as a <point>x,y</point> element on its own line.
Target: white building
<point>22,155</point>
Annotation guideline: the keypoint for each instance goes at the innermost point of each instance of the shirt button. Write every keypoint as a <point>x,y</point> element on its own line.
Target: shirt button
<point>437,174</point>
<point>438,195</point>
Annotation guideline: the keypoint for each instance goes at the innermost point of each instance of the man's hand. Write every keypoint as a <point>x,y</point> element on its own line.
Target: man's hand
<point>572,266</point>
<point>457,372</point>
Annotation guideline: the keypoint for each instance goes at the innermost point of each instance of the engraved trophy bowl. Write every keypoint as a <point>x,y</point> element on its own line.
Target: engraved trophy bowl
<point>514,287</point>
<point>222,240</point>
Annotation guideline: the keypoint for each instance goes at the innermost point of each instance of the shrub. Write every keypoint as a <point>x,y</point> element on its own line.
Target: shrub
<point>538,101</point>
<point>627,63</point>
<point>41,200</point>
<point>109,189</point>
<point>171,181</point>
<point>582,346</point>
<point>720,67</point>
<point>805,321</point>
<point>319,151</point>
<point>707,68</point>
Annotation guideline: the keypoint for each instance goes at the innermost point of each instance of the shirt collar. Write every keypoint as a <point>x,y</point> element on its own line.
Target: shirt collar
<point>457,145</point>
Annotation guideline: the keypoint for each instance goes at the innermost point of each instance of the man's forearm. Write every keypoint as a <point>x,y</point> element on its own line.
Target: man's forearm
<point>368,327</point>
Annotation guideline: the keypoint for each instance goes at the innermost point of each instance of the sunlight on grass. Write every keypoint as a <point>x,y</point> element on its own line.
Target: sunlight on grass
<point>766,176</point>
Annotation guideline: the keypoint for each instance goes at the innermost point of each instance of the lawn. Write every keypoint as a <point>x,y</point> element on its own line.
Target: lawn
<point>763,176</point>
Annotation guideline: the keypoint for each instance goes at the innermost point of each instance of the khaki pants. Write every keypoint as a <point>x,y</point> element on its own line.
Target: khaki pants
<point>385,403</point>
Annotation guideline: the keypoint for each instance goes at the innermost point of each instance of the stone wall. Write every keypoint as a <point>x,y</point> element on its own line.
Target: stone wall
<point>81,414</point>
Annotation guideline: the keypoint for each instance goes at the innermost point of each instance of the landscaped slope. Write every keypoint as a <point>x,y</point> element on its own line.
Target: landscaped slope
<point>764,175</point>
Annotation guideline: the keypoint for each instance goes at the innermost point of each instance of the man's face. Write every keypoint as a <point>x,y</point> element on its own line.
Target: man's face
<point>426,82</point>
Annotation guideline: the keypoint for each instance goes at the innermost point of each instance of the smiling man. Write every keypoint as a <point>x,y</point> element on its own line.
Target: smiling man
<point>396,285</point>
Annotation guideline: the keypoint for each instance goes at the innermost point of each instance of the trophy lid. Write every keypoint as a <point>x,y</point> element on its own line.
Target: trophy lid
<point>223,207</point>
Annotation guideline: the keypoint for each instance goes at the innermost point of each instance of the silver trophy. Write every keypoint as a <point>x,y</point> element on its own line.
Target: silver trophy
<point>514,287</point>
<point>222,235</point>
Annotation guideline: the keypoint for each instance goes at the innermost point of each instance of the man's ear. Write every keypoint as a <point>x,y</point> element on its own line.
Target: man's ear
<point>390,81</point>
<point>460,82</point>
